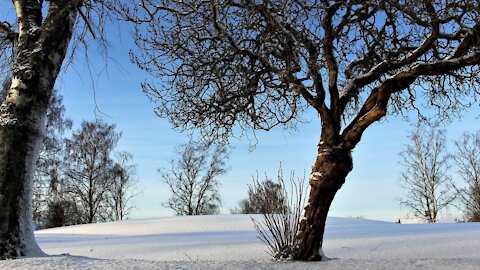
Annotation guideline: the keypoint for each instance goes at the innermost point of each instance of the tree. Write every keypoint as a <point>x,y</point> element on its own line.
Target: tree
<point>122,188</point>
<point>425,178</point>
<point>192,179</point>
<point>107,195</point>
<point>242,65</point>
<point>467,159</point>
<point>88,167</point>
<point>48,172</point>
<point>266,197</point>
<point>33,45</point>
<point>62,212</point>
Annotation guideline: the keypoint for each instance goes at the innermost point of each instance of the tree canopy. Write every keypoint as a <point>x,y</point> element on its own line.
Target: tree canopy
<point>260,64</point>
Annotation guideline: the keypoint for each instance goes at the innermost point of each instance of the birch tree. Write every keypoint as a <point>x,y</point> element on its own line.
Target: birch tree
<point>122,188</point>
<point>425,177</point>
<point>88,168</point>
<point>34,45</point>
<point>48,168</point>
<point>192,179</point>
<point>467,158</point>
<point>227,67</point>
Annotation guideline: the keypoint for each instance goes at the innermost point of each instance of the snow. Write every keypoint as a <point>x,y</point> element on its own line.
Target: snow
<point>230,242</point>
<point>445,218</point>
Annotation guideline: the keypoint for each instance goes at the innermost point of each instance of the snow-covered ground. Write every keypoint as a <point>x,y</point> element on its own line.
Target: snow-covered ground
<point>230,242</point>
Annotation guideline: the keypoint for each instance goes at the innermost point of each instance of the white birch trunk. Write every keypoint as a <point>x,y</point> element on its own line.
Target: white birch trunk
<point>41,49</point>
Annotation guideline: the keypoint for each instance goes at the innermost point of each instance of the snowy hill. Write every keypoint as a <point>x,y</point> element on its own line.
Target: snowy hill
<point>230,242</point>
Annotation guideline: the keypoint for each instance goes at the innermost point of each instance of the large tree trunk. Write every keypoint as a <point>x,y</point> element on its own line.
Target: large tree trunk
<point>40,50</point>
<point>328,175</point>
<point>21,134</point>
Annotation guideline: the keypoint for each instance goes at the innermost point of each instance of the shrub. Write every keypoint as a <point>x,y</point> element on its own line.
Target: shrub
<point>278,230</point>
<point>266,197</point>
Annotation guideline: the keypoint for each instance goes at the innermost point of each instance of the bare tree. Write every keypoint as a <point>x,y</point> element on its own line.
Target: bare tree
<point>425,177</point>
<point>122,188</point>
<point>467,159</point>
<point>33,47</point>
<point>266,197</point>
<point>242,65</point>
<point>48,167</point>
<point>88,167</point>
<point>192,179</point>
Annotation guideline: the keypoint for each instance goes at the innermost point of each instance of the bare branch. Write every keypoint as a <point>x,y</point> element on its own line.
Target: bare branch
<point>7,30</point>
<point>328,52</point>
<point>87,22</point>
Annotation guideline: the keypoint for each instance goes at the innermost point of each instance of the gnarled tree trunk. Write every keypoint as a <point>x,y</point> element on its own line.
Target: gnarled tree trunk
<point>40,50</point>
<point>328,175</point>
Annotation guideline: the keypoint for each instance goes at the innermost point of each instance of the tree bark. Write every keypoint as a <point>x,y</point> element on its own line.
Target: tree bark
<point>20,139</point>
<point>41,48</point>
<point>328,175</point>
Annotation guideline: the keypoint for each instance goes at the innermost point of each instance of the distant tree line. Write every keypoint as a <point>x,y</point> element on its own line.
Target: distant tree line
<point>427,175</point>
<point>80,179</point>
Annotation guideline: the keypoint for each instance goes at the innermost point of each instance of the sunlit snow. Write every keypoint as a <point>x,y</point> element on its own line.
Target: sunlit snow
<point>230,242</point>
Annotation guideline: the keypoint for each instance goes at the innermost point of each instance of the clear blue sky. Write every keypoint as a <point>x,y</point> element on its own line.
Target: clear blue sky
<point>371,188</point>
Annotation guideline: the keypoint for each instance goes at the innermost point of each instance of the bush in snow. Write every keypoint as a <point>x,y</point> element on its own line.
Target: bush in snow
<point>266,197</point>
<point>278,230</point>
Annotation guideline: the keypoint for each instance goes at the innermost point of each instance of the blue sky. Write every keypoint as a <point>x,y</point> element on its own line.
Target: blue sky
<point>371,188</point>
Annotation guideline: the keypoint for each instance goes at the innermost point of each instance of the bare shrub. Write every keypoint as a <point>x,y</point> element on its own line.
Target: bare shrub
<point>278,230</point>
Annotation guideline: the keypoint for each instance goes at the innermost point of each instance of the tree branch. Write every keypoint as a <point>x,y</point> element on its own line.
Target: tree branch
<point>328,52</point>
<point>471,39</point>
<point>7,30</point>
<point>87,22</point>
<point>357,82</point>
<point>376,105</point>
